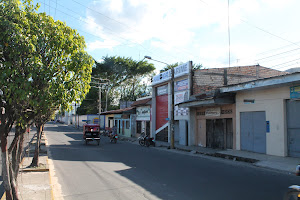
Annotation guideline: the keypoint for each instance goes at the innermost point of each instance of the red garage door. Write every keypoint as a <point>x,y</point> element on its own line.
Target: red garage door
<point>161,110</point>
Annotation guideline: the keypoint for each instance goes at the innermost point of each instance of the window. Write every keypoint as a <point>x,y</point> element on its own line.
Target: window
<point>127,125</point>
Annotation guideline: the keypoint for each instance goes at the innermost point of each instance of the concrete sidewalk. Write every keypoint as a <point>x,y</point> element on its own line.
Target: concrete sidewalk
<point>284,164</point>
<point>34,183</point>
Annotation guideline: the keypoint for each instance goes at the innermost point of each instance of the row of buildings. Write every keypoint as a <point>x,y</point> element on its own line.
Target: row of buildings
<point>250,108</point>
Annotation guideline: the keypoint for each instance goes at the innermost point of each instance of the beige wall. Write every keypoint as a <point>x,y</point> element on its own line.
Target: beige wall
<point>200,136</point>
<point>272,101</point>
<point>106,120</point>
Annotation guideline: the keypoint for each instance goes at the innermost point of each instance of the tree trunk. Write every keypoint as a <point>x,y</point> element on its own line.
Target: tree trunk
<point>5,168</point>
<point>35,159</point>
<point>14,157</point>
<point>13,181</point>
<point>19,153</point>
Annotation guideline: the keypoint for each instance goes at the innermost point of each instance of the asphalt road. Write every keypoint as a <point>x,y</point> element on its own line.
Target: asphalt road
<point>129,171</point>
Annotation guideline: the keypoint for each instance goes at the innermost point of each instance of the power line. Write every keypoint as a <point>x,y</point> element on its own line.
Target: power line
<point>87,23</point>
<point>263,30</point>
<point>129,27</point>
<point>112,31</point>
<point>282,47</point>
<point>269,33</point>
<point>277,54</point>
<point>285,63</point>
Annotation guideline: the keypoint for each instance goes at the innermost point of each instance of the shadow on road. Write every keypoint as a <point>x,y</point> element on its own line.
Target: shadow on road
<point>173,176</point>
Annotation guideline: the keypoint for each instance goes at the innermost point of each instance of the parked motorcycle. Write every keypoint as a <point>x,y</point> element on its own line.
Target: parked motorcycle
<point>145,140</point>
<point>142,139</point>
<point>149,141</point>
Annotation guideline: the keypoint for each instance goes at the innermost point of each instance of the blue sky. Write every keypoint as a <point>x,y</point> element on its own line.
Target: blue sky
<point>264,32</point>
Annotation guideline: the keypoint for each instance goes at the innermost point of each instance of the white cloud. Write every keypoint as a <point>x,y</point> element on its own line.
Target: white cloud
<point>173,25</point>
<point>173,22</point>
<point>106,44</point>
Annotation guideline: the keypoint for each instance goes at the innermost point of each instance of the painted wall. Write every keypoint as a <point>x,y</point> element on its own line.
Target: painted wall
<point>127,130</point>
<point>107,122</point>
<point>161,110</point>
<point>73,120</point>
<point>272,101</point>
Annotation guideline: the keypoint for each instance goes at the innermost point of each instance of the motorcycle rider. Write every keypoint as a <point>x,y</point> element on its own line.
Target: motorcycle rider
<point>114,132</point>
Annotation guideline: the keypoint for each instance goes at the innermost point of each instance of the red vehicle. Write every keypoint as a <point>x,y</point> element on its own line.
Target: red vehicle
<point>91,132</point>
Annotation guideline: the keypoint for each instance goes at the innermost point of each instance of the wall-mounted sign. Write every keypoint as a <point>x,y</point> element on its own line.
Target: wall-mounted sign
<point>213,112</point>
<point>268,126</point>
<point>180,97</point>
<point>181,85</point>
<point>143,111</point>
<point>181,70</point>
<point>295,92</point>
<point>181,111</point>
<point>165,76</point>
<point>162,90</point>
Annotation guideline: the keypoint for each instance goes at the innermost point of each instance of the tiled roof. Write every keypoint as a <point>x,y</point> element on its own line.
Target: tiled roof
<point>141,102</point>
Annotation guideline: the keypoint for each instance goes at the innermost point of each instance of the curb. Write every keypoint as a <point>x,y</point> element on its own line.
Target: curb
<point>4,196</point>
<point>218,155</point>
<point>50,180</point>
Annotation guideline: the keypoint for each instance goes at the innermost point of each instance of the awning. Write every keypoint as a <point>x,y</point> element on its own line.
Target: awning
<point>212,101</point>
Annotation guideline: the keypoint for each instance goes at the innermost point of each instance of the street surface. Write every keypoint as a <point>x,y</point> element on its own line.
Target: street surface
<point>128,171</point>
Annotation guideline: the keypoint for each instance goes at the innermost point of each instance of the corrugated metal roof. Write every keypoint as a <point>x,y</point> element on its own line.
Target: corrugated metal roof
<point>117,111</point>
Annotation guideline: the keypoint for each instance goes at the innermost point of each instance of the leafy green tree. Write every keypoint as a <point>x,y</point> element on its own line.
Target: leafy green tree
<point>64,68</point>
<point>125,77</point>
<point>43,67</point>
<point>194,66</point>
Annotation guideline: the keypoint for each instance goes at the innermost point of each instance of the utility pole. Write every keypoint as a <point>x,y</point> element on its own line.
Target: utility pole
<point>100,83</point>
<point>100,87</point>
<point>172,110</point>
<point>106,98</point>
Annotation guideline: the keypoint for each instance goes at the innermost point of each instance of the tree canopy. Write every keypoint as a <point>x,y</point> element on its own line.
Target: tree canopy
<point>194,66</point>
<point>43,66</point>
<point>126,80</point>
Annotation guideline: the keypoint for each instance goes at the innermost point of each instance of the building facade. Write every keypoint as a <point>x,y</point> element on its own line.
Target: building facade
<point>162,109</point>
<point>213,116</point>
<point>143,115</point>
<point>268,113</point>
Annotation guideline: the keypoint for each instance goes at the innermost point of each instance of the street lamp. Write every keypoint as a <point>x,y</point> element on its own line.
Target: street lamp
<point>172,102</point>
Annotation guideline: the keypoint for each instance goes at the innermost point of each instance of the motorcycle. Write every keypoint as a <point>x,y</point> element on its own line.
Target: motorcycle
<point>293,192</point>
<point>113,138</point>
<point>141,139</point>
<point>145,140</point>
